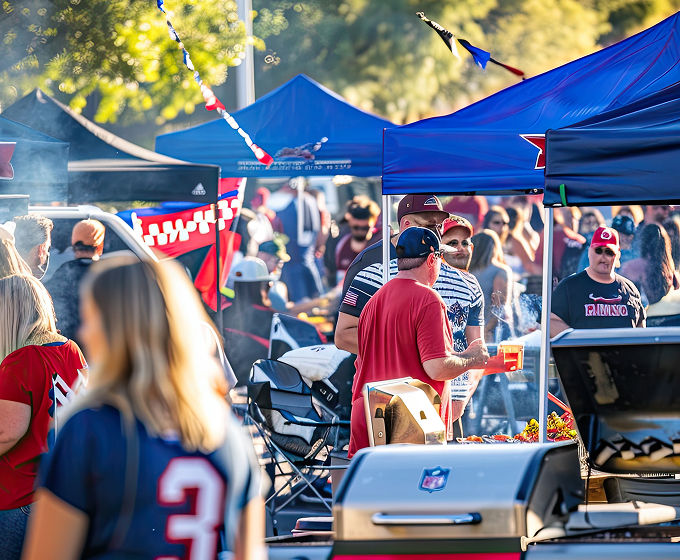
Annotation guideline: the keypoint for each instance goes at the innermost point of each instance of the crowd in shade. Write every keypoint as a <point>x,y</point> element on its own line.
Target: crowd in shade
<point>300,260</point>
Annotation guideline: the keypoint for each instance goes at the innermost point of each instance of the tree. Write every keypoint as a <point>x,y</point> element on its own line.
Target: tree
<point>122,50</point>
<point>382,58</point>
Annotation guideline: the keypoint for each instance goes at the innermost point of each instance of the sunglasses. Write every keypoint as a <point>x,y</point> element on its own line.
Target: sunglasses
<point>465,243</point>
<point>608,252</point>
<point>430,226</point>
<point>361,228</point>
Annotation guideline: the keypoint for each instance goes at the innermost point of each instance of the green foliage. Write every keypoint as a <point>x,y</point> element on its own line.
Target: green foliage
<point>376,53</point>
<point>122,50</point>
<point>382,58</point>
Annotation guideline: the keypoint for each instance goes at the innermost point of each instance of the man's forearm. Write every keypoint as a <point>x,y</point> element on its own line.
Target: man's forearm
<point>455,365</point>
<point>347,333</point>
<point>348,340</point>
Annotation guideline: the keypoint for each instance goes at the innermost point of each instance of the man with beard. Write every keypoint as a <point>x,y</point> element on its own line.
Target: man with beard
<point>33,237</point>
<point>362,215</point>
<point>457,235</point>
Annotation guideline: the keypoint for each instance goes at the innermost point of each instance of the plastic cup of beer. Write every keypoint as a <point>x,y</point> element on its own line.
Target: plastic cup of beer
<point>513,354</point>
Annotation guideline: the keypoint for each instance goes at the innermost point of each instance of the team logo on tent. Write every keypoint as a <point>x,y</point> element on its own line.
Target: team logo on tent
<point>538,141</point>
<point>6,153</point>
<point>300,153</point>
<point>434,480</point>
<point>432,201</point>
<point>199,190</point>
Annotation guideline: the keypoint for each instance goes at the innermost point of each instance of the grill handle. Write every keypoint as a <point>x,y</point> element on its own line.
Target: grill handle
<point>454,519</point>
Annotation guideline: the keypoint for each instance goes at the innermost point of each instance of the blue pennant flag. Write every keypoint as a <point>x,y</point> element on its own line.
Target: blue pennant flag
<point>481,57</point>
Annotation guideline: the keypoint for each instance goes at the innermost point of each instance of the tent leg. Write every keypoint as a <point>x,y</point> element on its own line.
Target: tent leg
<point>300,187</point>
<point>386,218</point>
<point>218,300</point>
<point>545,324</point>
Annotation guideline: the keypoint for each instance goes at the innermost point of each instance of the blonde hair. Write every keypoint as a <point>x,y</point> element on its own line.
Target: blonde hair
<point>10,261</point>
<point>156,358</point>
<point>27,312</point>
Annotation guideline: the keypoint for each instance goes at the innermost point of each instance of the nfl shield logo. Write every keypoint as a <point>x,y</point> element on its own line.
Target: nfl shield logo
<point>434,480</point>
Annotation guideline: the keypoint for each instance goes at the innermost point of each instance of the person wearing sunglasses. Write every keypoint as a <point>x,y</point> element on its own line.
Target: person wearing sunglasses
<point>404,331</point>
<point>598,297</point>
<point>466,309</point>
<point>362,215</point>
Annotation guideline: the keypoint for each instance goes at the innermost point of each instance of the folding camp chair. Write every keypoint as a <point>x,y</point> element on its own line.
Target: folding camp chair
<point>294,432</point>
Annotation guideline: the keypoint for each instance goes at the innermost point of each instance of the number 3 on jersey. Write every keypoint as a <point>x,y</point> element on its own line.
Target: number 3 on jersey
<point>199,530</point>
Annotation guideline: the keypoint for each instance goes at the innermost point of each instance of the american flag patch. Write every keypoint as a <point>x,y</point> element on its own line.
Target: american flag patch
<point>350,298</point>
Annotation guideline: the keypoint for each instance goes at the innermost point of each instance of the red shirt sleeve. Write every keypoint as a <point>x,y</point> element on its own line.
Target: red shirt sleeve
<point>76,356</point>
<point>13,379</point>
<point>434,336</point>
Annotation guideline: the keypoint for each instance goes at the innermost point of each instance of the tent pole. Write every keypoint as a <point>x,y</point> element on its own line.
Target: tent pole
<point>300,187</point>
<point>386,218</point>
<point>217,270</point>
<point>545,323</point>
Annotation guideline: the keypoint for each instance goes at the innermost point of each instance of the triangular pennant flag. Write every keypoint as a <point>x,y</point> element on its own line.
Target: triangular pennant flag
<point>481,57</point>
<point>445,34</point>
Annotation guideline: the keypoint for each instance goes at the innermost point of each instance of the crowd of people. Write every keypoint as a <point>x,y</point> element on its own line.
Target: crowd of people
<point>153,414</point>
<point>503,254</point>
<point>146,459</point>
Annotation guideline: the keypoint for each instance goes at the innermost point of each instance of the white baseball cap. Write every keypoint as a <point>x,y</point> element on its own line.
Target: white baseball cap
<point>251,269</point>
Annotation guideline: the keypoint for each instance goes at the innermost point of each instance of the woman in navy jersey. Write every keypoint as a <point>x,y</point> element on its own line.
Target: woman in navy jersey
<point>150,463</point>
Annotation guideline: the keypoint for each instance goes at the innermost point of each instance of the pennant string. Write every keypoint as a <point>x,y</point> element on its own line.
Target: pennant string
<point>480,56</point>
<point>211,101</point>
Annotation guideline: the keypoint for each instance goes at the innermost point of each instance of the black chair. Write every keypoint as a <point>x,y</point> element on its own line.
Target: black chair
<point>294,432</point>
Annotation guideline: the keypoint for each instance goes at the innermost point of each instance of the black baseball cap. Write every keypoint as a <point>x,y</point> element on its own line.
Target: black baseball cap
<point>415,242</point>
<point>624,224</point>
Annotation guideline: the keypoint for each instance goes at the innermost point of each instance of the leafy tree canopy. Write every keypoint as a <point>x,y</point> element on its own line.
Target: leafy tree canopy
<point>122,50</point>
<point>377,54</point>
<point>382,58</point>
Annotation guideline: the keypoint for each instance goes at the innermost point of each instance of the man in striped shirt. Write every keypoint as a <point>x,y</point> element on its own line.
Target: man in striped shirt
<point>458,288</point>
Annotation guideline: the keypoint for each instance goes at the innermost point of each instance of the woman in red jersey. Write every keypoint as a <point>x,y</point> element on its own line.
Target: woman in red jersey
<point>40,370</point>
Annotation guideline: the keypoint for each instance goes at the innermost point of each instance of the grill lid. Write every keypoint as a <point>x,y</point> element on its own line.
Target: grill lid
<point>623,386</point>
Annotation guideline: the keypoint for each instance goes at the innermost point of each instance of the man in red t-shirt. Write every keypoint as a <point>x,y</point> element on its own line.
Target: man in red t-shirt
<point>40,378</point>
<point>404,332</point>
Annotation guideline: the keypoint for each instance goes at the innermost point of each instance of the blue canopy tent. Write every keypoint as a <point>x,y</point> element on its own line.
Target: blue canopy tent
<point>625,156</point>
<point>308,129</point>
<point>496,144</point>
<point>32,163</point>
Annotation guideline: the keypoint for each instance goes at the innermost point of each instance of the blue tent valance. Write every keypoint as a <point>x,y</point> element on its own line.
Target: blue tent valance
<point>497,143</point>
<point>308,129</point>
<point>626,156</point>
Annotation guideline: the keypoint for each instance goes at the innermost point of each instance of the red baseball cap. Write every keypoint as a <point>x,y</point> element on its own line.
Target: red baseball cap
<point>605,237</point>
<point>457,221</point>
<point>415,203</point>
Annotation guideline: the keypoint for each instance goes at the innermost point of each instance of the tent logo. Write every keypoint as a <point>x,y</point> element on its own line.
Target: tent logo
<point>538,141</point>
<point>199,190</point>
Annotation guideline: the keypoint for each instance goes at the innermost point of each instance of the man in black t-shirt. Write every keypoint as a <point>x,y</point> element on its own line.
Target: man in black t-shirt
<point>597,297</point>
